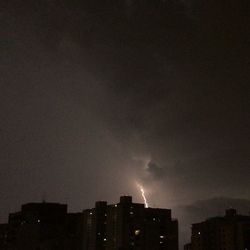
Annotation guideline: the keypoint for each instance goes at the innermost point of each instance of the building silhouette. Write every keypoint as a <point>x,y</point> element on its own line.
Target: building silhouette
<point>122,226</point>
<point>231,232</point>
<point>3,236</point>
<point>127,225</point>
<point>94,228</point>
<point>42,226</point>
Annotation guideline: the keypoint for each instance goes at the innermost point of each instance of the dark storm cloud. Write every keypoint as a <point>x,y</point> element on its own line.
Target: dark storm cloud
<point>155,170</point>
<point>93,91</point>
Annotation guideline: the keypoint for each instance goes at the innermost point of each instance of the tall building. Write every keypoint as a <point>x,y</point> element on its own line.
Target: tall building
<point>231,232</point>
<point>94,229</point>
<point>43,226</point>
<point>127,225</point>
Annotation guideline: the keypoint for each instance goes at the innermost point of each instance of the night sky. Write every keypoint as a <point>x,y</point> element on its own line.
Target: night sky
<point>98,95</point>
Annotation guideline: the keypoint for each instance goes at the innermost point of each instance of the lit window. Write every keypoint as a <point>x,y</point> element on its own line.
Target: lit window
<point>137,232</point>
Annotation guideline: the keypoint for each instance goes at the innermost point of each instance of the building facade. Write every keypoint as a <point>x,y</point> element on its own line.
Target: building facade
<point>122,226</point>
<point>43,226</point>
<point>94,228</point>
<point>127,225</point>
<point>231,232</point>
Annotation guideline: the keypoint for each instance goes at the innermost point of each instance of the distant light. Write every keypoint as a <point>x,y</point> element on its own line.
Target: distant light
<point>154,219</point>
<point>90,213</point>
<point>115,205</point>
<point>199,233</point>
<point>104,239</point>
<point>131,213</point>
<point>162,237</point>
<point>161,242</point>
<point>38,221</point>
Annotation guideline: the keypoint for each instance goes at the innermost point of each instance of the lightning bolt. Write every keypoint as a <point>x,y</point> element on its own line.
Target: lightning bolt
<point>143,195</point>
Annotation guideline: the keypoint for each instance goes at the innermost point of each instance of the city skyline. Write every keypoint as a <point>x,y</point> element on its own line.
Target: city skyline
<point>123,225</point>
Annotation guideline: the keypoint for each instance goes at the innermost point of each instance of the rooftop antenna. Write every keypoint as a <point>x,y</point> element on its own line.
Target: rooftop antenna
<point>44,197</point>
